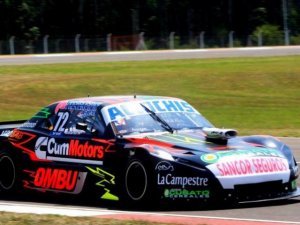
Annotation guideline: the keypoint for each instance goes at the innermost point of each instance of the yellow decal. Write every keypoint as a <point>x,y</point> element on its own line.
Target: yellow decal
<point>106,178</point>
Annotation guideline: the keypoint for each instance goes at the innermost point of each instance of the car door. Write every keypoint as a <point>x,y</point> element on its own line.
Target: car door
<point>69,141</point>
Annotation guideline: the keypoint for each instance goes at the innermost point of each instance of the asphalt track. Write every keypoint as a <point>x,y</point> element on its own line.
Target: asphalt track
<point>271,213</point>
<point>149,55</point>
<point>283,212</point>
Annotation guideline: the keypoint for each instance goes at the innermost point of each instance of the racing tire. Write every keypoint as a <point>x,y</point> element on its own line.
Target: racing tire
<point>8,173</point>
<point>138,183</point>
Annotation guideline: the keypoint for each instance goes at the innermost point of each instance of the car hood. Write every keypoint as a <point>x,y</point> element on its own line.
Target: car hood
<point>197,143</point>
<point>235,162</point>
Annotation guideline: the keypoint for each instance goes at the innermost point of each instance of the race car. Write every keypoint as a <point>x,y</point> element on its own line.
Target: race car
<point>141,148</point>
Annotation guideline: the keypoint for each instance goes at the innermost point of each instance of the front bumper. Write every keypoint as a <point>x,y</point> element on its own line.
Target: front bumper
<point>262,192</point>
<point>288,195</point>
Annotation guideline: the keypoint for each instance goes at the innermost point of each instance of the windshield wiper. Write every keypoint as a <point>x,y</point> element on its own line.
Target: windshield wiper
<point>158,119</point>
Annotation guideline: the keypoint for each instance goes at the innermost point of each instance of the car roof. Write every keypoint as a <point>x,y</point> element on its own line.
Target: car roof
<point>115,99</point>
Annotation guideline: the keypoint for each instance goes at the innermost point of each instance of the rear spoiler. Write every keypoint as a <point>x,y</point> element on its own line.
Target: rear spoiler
<point>11,124</point>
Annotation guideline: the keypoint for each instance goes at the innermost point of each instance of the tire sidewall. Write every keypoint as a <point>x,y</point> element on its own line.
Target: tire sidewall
<point>8,170</point>
<point>136,176</point>
<point>145,196</point>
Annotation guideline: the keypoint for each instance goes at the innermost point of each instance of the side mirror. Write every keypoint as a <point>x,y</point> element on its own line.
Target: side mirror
<point>48,124</point>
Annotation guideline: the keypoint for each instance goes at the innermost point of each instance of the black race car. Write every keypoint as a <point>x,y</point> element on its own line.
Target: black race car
<point>137,148</point>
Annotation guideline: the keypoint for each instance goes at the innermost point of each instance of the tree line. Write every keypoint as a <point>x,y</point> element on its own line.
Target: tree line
<point>31,19</point>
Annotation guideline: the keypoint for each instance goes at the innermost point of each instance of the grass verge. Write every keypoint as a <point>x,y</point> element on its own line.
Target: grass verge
<point>253,95</point>
<point>34,219</point>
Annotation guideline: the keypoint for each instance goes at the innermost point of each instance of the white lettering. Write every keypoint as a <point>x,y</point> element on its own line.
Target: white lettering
<point>255,165</point>
<point>6,133</point>
<point>46,148</point>
<point>157,105</point>
<point>169,179</point>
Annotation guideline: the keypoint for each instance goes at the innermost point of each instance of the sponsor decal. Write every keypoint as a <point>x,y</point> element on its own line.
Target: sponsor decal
<point>164,166</point>
<point>169,179</point>
<point>16,134</point>
<point>209,158</point>
<point>249,152</point>
<point>55,133</point>
<point>55,179</point>
<point>25,144</point>
<point>50,148</point>
<point>59,179</point>
<point>6,133</point>
<point>158,106</point>
<point>184,193</point>
<point>257,165</point>
<point>28,125</point>
<point>294,184</point>
<point>105,180</point>
<point>43,114</point>
<point>73,132</point>
<point>248,167</point>
<point>87,108</point>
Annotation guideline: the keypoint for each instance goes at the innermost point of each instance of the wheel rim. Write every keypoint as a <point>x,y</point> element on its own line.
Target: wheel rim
<point>7,172</point>
<point>136,180</point>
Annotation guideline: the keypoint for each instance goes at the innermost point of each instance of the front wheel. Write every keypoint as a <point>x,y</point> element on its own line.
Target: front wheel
<point>136,180</point>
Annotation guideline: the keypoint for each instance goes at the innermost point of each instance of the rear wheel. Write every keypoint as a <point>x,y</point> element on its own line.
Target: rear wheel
<point>8,173</point>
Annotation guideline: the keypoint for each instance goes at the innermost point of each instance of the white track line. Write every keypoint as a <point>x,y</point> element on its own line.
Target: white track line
<point>255,48</point>
<point>84,211</point>
<point>51,209</point>
<point>218,217</point>
<point>225,218</point>
<point>52,55</point>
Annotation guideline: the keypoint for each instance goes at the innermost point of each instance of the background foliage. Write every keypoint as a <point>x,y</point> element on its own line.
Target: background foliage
<point>29,19</point>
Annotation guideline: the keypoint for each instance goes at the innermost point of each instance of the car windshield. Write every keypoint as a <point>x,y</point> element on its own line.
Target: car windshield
<point>153,116</point>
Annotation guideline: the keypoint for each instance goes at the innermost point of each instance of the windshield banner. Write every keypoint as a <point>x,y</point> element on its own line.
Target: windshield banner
<point>128,109</point>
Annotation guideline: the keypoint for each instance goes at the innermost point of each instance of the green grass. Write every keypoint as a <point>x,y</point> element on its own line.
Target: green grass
<point>34,219</point>
<point>253,95</point>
